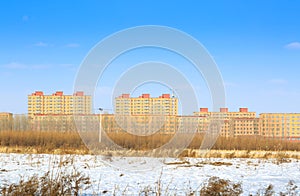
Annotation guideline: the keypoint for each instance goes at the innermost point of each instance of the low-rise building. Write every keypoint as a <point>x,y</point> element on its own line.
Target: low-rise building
<point>6,121</point>
<point>280,125</point>
<point>223,117</point>
<point>65,123</point>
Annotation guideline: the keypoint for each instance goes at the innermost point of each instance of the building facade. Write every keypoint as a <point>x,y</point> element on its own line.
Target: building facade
<point>146,105</point>
<point>144,115</point>
<point>229,120</point>
<point>65,123</point>
<point>6,121</point>
<point>243,127</point>
<point>58,103</point>
<point>280,125</point>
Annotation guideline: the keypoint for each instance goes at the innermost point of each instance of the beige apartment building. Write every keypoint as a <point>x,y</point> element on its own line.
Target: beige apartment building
<point>146,105</point>
<point>244,127</point>
<point>280,125</point>
<point>58,103</point>
<point>65,123</point>
<point>6,121</point>
<point>232,122</point>
<point>145,115</point>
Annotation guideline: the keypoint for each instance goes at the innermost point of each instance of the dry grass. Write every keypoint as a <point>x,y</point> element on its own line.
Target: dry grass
<point>129,141</point>
<point>41,142</point>
<point>280,156</point>
<point>71,143</point>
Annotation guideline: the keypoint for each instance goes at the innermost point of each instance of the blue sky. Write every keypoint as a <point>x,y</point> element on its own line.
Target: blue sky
<point>256,45</point>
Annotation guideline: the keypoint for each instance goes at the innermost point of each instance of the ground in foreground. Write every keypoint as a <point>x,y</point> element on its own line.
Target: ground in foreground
<point>169,176</point>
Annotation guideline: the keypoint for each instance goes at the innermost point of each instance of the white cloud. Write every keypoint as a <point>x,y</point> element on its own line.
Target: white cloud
<point>293,45</point>
<point>39,66</point>
<point>41,44</point>
<point>72,45</point>
<point>66,65</point>
<point>16,65</point>
<point>25,18</point>
<point>282,93</point>
<point>278,81</point>
<point>230,84</point>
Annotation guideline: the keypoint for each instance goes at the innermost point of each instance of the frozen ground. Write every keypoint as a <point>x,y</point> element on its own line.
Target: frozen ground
<point>132,175</point>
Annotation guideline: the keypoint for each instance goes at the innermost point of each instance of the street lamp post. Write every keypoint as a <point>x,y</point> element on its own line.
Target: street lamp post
<point>100,124</point>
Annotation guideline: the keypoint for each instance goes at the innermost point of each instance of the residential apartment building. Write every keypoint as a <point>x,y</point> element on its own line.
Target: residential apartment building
<point>243,127</point>
<point>110,123</point>
<point>280,125</point>
<point>65,123</point>
<point>146,115</point>
<point>58,103</point>
<point>229,120</point>
<point>225,114</point>
<point>139,124</point>
<point>146,105</point>
<point>6,121</point>
<point>187,123</point>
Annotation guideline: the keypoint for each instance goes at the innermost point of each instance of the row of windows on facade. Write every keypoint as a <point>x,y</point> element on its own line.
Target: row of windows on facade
<point>243,132</point>
<point>246,128</point>
<point>56,99</point>
<point>59,97</point>
<point>40,111</point>
<point>145,100</point>
<point>292,120</point>
<point>241,124</point>
<point>146,111</point>
<point>280,125</point>
<point>279,134</point>
<point>56,106</point>
<point>226,114</point>
<point>58,103</point>
<point>144,106</point>
<point>57,109</point>
<point>146,103</point>
<point>286,116</point>
<point>278,129</point>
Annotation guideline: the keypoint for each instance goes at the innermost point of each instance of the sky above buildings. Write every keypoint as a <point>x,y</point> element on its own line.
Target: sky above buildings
<point>256,45</point>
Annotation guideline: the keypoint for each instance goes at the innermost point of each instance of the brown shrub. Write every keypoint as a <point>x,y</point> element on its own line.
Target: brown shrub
<point>217,187</point>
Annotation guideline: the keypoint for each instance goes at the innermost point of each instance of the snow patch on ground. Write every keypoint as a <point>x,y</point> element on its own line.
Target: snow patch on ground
<point>171,175</point>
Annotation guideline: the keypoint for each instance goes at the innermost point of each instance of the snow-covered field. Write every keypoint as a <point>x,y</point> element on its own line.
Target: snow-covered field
<point>173,176</point>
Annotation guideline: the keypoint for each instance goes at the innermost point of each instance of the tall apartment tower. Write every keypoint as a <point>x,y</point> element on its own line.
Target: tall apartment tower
<point>146,105</point>
<point>58,103</point>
